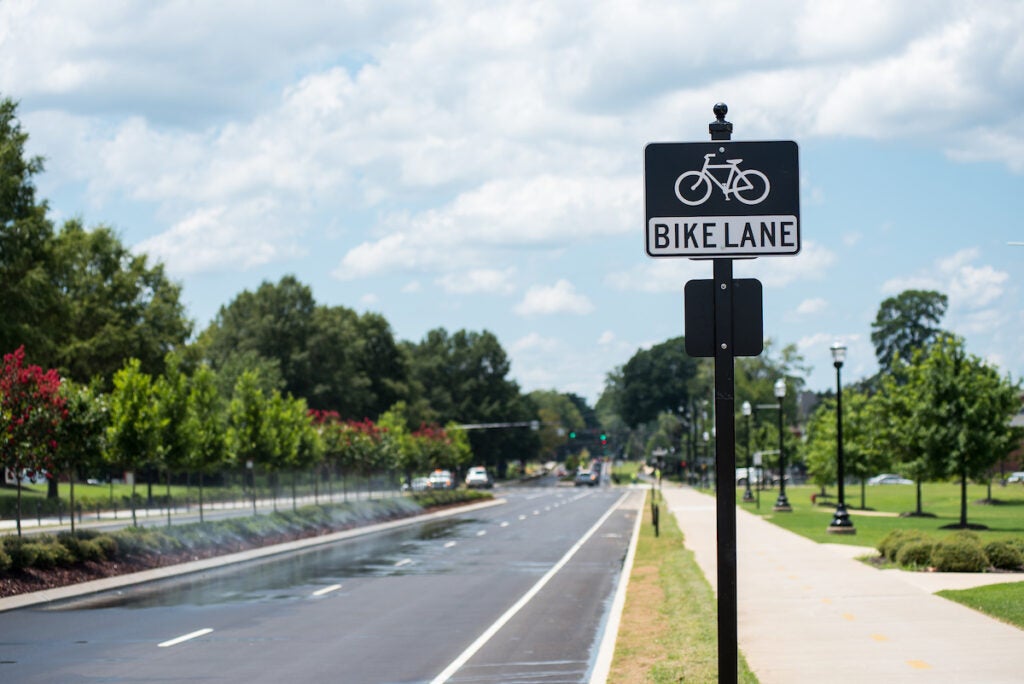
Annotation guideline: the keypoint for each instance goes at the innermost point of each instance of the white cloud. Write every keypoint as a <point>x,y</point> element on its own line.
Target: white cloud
<point>606,338</point>
<point>536,343</point>
<point>560,298</point>
<point>484,280</point>
<point>969,287</point>
<point>411,287</point>
<point>810,307</point>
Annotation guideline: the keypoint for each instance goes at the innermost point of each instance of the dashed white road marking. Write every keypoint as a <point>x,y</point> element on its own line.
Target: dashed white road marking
<point>327,590</point>
<point>404,561</point>
<point>481,533</point>
<point>185,637</point>
<point>450,544</point>
<point>504,523</point>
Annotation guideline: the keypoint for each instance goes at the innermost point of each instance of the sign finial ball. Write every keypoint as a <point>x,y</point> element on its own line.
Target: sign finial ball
<point>721,109</point>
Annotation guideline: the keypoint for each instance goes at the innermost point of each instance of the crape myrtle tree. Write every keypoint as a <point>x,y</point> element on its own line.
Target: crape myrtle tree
<point>31,411</point>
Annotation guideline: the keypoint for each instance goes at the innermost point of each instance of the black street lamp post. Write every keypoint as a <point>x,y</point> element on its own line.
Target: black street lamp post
<point>841,523</point>
<point>782,503</point>
<point>748,495</point>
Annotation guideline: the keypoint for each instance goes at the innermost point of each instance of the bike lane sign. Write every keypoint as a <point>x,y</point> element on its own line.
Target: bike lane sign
<point>722,199</point>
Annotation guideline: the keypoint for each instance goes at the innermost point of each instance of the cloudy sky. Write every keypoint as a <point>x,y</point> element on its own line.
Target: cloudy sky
<point>479,165</point>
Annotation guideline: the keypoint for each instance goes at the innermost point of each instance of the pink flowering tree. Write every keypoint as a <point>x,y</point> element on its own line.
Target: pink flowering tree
<point>31,410</point>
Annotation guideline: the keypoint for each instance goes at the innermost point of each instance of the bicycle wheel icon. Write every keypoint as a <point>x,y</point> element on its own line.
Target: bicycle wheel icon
<point>750,186</point>
<point>693,188</point>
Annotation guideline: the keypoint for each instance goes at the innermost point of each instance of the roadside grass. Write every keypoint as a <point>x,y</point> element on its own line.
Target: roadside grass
<point>668,632</point>
<point>1004,518</point>
<point>1002,601</point>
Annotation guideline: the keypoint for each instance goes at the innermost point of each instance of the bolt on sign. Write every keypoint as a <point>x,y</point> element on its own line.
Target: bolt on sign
<point>722,199</point>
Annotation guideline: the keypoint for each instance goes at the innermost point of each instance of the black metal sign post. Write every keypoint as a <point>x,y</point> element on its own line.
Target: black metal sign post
<point>701,204</point>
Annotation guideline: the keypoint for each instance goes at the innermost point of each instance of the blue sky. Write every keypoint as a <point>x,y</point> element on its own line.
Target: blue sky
<point>480,165</point>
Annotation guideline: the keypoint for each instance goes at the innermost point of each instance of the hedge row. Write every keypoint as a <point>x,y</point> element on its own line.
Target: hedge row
<point>66,550</point>
<point>960,552</point>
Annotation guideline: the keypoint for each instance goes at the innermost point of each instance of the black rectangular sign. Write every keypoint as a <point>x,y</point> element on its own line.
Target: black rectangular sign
<point>722,199</point>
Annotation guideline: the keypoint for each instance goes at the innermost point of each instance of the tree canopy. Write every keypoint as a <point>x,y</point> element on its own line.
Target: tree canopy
<point>905,323</point>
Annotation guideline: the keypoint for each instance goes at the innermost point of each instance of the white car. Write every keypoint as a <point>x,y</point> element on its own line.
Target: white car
<point>1017,477</point>
<point>442,479</point>
<point>478,477</point>
<point>889,478</point>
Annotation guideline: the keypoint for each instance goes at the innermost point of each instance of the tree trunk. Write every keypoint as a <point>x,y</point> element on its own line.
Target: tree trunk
<point>963,496</point>
<point>919,511</point>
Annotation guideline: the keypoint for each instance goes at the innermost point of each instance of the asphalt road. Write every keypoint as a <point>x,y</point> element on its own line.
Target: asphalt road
<point>513,593</point>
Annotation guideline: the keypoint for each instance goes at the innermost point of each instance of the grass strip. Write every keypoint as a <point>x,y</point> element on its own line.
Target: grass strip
<point>668,632</point>
<point>1002,601</point>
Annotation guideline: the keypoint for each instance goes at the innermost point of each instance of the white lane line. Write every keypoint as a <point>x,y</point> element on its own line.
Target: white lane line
<point>449,545</point>
<point>536,512</point>
<point>481,533</point>
<point>522,517</point>
<point>504,523</point>
<point>185,637</point>
<point>327,590</point>
<point>404,561</point>
<point>482,640</point>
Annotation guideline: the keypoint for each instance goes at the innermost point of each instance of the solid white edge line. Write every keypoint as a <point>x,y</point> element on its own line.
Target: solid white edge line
<point>327,590</point>
<point>185,637</point>
<point>606,651</point>
<point>464,657</point>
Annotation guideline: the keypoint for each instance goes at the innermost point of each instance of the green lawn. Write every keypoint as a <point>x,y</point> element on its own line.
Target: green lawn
<point>1004,518</point>
<point>1002,601</point>
<point>669,627</point>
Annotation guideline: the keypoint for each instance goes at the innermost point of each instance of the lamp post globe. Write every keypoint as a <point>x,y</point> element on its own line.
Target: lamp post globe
<point>748,410</point>
<point>781,503</point>
<point>841,523</point>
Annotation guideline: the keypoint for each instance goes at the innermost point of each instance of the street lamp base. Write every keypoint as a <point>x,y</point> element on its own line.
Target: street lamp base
<point>782,505</point>
<point>748,496</point>
<point>841,523</point>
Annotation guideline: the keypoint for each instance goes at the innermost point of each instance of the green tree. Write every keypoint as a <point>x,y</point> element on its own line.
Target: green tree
<point>464,377</point>
<point>133,435</point>
<point>250,439</point>
<point>208,423</point>
<point>968,412</point>
<point>114,306</point>
<point>82,434</point>
<point>656,380</point>
<point>26,289</point>
<point>905,323</point>
<point>177,438</point>
<point>558,415</point>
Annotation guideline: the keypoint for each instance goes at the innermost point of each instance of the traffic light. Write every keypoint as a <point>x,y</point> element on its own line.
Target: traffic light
<point>604,438</point>
<point>572,435</point>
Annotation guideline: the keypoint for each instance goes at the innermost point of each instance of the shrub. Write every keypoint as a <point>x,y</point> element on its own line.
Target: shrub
<point>50,554</point>
<point>1003,555</point>
<point>81,548</point>
<point>915,554</point>
<point>108,545</point>
<point>959,554</point>
<point>21,553</point>
<point>5,560</point>
<point>891,543</point>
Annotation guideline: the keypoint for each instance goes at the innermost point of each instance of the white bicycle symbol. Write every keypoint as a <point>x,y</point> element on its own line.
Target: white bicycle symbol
<point>749,186</point>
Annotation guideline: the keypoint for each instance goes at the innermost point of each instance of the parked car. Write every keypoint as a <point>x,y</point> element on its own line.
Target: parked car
<point>418,484</point>
<point>586,477</point>
<point>889,478</point>
<point>1016,478</point>
<point>442,479</point>
<point>479,477</point>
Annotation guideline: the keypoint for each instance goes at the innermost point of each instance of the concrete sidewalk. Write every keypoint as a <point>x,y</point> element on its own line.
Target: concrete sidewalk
<point>809,613</point>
